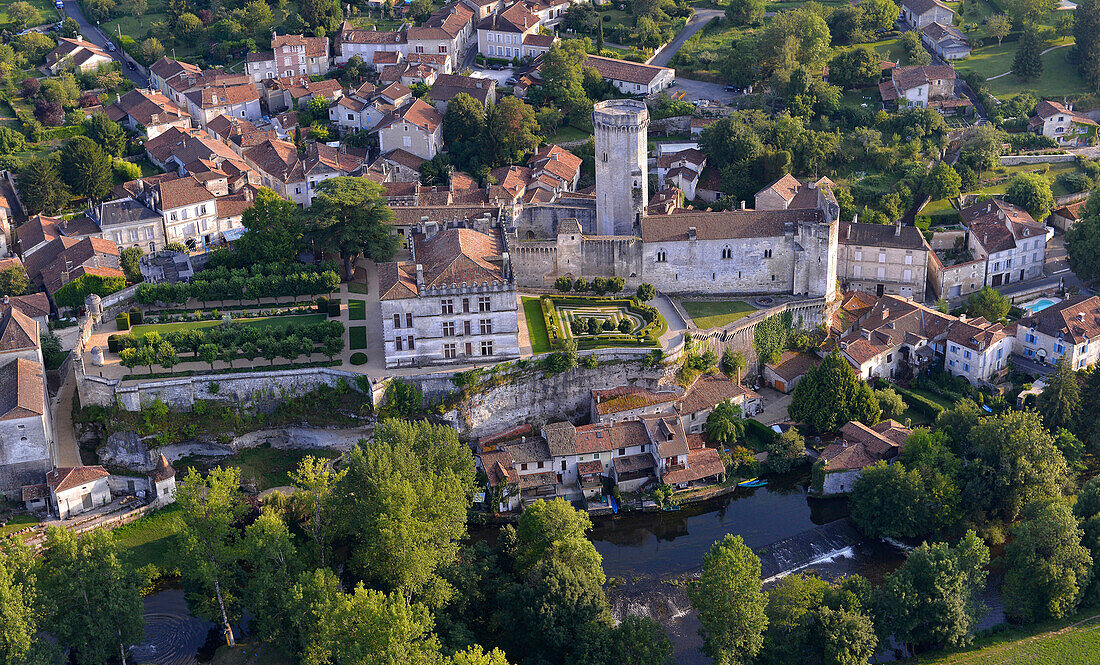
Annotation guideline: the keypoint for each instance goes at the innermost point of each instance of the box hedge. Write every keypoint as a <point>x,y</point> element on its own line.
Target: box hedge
<point>122,321</point>
<point>334,307</point>
<point>135,317</point>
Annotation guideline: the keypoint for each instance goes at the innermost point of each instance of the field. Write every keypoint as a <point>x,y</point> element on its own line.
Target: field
<point>357,310</point>
<point>17,523</point>
<point>259,322</point>
<point>150,539</point>
<point>716,314</point>
<point>357,337</point>
<point>1065,643</point>
<point>536,326</point>
<point>261,468</point>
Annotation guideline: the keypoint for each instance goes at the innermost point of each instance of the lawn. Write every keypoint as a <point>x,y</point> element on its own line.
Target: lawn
<point>259,322</point>
<point>568,133</point>
<point>1062,643</point>
<point>357,337</point>
<point>44,7</point>
<point>17,523</point>
<point>1059,77</point>
<point>262,468</point>
<point>357,310</point>
<point>151,539</point>
<point>716,314</point>
<point>356,287</point>
<point>536,325</point>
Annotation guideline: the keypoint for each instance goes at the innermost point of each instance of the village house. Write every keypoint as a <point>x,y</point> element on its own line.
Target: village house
<point>290,55</point>
<point>1062,124</point>
<point>76,54</point>
<point>415,127</point>
<point>166,74</point>
<point>295,177</point>
<point>1063,218</point>
<point>66,258</point>
<point>789,193</point>
<point>520,472</point>
<point>953,273</point>
<point>946,41</point>
<point>177,150</point>
<point>1069,329</point>
<point>785,374</point>
<point>708,392</point>
<point>857,448</point>
<point>633,78</point>
<point>400,165</point>
<point>35,306</point>
<point>895,339</point>
<point>613,405</point>
<point>449,86</point>
<point>502,35</point>
<point>920,13</point>
<point>351,41</point>
<point>76,490</point>
<point>919,85</point>
<point>26,425</point>
<point>453,302</point>
<point>681,169</point>
<point>148,111</point>
<point>1012,244</point>
<point>239,101</point>
<point>446,32</point>
<point>881,259</point>
<point>978,351</point>
<point>239,134</point>
<point>183,81</point>
<point>130,223</point>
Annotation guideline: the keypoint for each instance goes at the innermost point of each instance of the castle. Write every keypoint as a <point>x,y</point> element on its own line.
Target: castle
<point>787,246</point>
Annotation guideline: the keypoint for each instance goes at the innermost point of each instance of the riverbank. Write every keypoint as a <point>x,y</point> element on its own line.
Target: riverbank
<point>1072,640</point>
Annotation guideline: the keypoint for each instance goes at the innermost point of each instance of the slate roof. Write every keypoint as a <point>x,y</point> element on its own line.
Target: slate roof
<point>921,7</point>
<point>881,235</point>
<point>21,390</point>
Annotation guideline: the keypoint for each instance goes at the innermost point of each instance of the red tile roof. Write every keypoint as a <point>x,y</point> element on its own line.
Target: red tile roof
<point>21,390</point>
<point>66,478</point>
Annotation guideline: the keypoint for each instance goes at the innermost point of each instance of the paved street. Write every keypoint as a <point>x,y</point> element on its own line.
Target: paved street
<point>694,25</point>
<point>94,35</point>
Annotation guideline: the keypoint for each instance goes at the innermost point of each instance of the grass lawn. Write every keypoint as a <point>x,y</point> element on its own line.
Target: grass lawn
<point>263,467</point>
<point>1059,76</point>
<point>357,310</point>
<point>1061,643</point>
<point>536,325</point>
<point>44,7</point>
<point>942,401</point>
<point>17,523</point>
<point>716,314</point>
<point>260,322</point>
<point>151,539</point>
<point>357,337</point>
<point>356,287</point>
<point>568,133</point>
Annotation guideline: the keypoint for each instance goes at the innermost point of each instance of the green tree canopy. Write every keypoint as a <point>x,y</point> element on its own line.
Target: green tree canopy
<point>13,281</point>
<point>730,602</point>
<point>1031,192</point>
<point>988,303</point>
<point>889,501</point>
<point>511,131</point>
<point>831,394</point>
<point>108,134</point>
<point>41,188</point>
<point>274,230</point>
<point>85,168</point>
<point>744,12</point>
<point>463,129</point>
<point>1060,399</point>
<point>1047,568</point>
<point>855,68</point>
<point>350,216</point>
<point>942,181</point>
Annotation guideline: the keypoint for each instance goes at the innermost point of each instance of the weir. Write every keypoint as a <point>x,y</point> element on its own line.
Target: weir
<point>817,546</point>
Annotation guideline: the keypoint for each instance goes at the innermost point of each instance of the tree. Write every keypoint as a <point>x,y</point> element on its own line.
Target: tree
<point>510,132</point>
<point>811,620</point>
<point>735,363</point>
<point>724,424</point>
<point>274,567</point>
<point>108,134</point>
<point>889,501</point>
<point>830,395</point>
<point>646,292</point>
<point>942,181</point>
<point>564,284</point>
<point>855,68</point>
<point>23,14</point>
<point>988,303</point>
<point>85,168</point>
<point>13,281</point>
<point>19,608</point>
<point>208,353</point>
<point>563,79</point>
<point>981,147</point>
<point>793,38</point>
<point>1031,192</point>
<point>998,26</point>
<point>11,141</point>
<point>1082,239</point>
<point>636,640</point>
<point>913,50</point>
<point>1027,13</point>
<point>846,637</point>
<point>554,531</point>
<point>932,600</point>
<point>138,8</point>
<point>91,599</point>
<point>1086,31</point>
<point>1047,569</point>
<point>151,50</point>
<point>209,510</point>
<point>786,451</point>
<point>274,229</point>
<point>463,129</point>
<point>1028,62</point>
<point>349,215</point>
<point>74,292</point>
<point>730,602</point>
<point>50,114</point>
<point>744,12</point>
<point>316,482</point>
<point>188,27</point>
<point>404,504</point>
<point>1059,401</point>
<point>890,403</point>
<point>402,399</point>
<point>129,258</point>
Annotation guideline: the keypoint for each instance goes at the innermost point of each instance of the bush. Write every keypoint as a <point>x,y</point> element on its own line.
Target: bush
<point>122,321</point>
<point>922,404</point>
<point>114,343</point>
<point>334,307</point>
<point>135,317</point>
<point>1075,182</point>
<point>358,358</point>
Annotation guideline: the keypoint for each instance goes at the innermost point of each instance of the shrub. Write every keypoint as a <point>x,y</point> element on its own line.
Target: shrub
<point>122,321</point>
<point>1075,182</point>
<point>114,343</point>
<point>135,317</point>
<point>625,326</point>
<point>358,358</point>
<point>334,307</point>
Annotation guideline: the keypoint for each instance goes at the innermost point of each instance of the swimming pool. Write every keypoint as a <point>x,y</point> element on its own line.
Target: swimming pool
<point>1036,306</point>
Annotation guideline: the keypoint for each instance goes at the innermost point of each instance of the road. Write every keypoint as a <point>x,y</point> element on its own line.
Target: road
<point>93,34</point>
<point>694,25</point>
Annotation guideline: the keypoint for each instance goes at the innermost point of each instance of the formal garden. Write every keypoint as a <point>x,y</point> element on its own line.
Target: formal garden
<point>595,322</point>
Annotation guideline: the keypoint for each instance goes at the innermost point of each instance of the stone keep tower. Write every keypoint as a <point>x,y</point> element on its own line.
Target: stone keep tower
<point>622,172</point>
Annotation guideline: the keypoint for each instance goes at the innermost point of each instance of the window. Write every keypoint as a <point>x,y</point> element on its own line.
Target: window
<point>727,253</point>
<point>882,257</point>
<point>412,343</point>
<point>767,253</point>
<point>202,210</point>
<point>1000,353</point>
<point>661,256</point>
<point>396,320</point>
<point>908,259</point>
<point>351,117</point>
<point>622,451</point>
<point>487,348</point>
<point>450,351</point>
<point>486,326</point>
<point>408,320</point>
<point>540,465</point>
<point>859,255</point>
<point>523,467</point>
<point>857,271</point>
<point>966,354</point>
<point>966,367</point>
<point>408,141</point>
<point>466,305</point>
<point>448,328</point>
<point>448,306</point>
<point>881,273</point>
<point>954,349</point>
<point>889,357</point>
<point>398,344</point>
<point>484,304</point>
<point>466,328</point>
<point>907,275</point>
<point>951,363</point>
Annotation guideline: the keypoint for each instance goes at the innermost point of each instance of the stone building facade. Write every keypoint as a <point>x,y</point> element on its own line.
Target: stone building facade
<point>622,167</point>
<point>537,263</point>
<point>879,259</point>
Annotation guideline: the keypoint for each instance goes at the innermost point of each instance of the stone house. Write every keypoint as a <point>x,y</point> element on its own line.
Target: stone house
<point>946,41</point>
<point>978,350</point>
<point>881,259</point>
<point>351,41</point>
<point>790,193</point>
<point>1064,217</point>
<point>1062,124</point>
<point>239,101</point>
<point>501,35</point>
<point>76,490</point>
<point>895,339</point>
<point>1012,244</point>
<point>446,32</point>
<point>920,13</point>
<point>632,78</point>
<point>293,176</point>
<point>708,392</point>
<point>629,403</point>
<point>1068,329</point>
<point>76,54</point>
<point>400,165</point>
<point>148,111</point>
<point>130,223</point>
<point>681,170</point>
<point>167,74</point>
<point>26,425</point>
<point>792,366</point>
<point>857,448</point>
<point>453,302</point>
<point>449,86</point>
<point>35,306</point>
<point>415,127</point>
<point>955,279</point>
<point>919,85</point>
<point>290,55</point>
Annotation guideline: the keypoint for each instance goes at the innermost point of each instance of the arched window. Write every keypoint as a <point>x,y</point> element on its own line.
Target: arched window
<point>661,256</point>
<point>727,253</point>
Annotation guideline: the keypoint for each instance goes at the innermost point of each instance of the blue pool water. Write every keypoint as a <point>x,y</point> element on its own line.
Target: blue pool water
<point>1039,305</point>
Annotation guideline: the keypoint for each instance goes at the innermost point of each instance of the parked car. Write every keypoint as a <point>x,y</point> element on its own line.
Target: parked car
<point>131,66</point>
<point>511,81</point>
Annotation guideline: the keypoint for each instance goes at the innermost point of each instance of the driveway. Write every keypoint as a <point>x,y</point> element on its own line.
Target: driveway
<point>93,34</point>
<point>694,25</point>
<point>693,90</point>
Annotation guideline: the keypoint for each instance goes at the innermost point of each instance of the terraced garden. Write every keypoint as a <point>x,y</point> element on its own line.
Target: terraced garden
<point>601,322</point>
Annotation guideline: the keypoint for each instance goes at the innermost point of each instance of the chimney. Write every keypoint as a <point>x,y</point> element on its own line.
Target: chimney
<point>1080,316</point>
<point>742,205</point>
<point>848,232</point>
<point>897,229</point>
<point>692,235</point>
<point>5,300</point>
<point>855,217</point>
<point>419,277</point>
<point>812,184</point>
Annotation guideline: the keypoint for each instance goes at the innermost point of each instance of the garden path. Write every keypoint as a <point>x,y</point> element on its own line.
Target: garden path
<point>1052,48</point>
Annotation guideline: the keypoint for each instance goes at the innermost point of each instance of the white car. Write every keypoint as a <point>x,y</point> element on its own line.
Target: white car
<point>59,4</point>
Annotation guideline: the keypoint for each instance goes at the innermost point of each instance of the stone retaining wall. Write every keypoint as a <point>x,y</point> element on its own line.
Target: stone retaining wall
<point>1014,160</point>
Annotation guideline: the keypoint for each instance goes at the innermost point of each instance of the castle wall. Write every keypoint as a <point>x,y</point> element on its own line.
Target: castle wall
<point>697,266</point>
<point>541,221</point>
<point>537,263</point>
